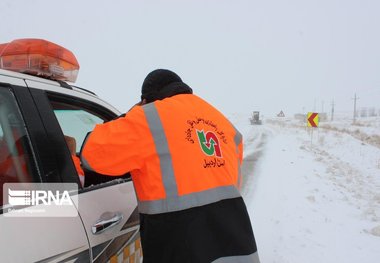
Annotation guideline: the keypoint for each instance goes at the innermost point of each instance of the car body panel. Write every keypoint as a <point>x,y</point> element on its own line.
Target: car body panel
<point>49,239</point>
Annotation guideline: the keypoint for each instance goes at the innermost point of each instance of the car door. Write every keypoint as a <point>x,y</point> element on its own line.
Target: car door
<point>107,205</point>
<point>26,156</point>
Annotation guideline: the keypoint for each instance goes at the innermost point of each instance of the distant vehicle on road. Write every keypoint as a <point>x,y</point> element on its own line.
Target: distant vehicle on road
<point>255,118</point>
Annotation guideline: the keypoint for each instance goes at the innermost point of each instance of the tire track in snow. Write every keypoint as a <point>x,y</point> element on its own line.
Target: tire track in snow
<point>254,147</point>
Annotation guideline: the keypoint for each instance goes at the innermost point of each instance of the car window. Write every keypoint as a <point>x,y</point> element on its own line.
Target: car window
<point>77,118</point>
<point>16,158</point>
<point>76,123</point>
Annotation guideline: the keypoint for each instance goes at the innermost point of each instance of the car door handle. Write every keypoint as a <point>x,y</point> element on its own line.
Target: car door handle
<point>106,220</point>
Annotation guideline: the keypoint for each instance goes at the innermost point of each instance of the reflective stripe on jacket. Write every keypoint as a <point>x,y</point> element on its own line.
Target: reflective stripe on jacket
<point>181,152</point>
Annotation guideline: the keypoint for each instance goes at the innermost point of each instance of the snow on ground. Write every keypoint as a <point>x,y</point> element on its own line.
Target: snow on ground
<point>313,194</point>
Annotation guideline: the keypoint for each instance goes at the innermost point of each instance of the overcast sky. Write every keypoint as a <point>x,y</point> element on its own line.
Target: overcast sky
<point>267,55</point>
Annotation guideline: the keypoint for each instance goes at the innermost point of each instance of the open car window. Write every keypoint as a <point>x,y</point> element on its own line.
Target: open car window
<point>76,123</point>
<point>76,119</point>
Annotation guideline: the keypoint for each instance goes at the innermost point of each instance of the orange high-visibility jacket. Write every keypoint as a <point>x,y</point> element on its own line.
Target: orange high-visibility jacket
<point>181,153</point>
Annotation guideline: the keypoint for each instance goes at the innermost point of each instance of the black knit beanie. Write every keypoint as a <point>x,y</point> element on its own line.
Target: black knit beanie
<point>163,83</point>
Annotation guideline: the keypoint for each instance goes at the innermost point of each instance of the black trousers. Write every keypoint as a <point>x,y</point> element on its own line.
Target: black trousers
<point>198,235</point>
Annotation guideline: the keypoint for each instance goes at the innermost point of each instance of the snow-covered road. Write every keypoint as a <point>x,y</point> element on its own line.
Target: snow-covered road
<point>311,197</point>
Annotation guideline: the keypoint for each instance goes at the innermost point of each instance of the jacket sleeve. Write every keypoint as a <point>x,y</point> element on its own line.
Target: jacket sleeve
<point>114,148</point>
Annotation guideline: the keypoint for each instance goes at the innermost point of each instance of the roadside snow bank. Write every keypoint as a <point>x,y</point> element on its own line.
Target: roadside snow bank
<point>311,200</point>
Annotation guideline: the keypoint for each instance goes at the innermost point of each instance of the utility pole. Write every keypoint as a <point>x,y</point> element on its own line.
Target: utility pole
<point>332,110</point>
<point>355,99</point>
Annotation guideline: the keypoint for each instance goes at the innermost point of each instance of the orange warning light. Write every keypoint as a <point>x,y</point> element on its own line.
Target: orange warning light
<point>40,58</point>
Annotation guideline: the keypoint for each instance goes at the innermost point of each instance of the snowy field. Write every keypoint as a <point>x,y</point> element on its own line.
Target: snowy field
<point>313,194</point>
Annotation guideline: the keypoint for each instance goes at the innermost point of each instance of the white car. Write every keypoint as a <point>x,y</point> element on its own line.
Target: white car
<point>43,122</point>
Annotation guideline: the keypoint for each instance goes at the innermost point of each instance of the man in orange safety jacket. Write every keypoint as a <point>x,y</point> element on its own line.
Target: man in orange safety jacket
<point>184,157</point>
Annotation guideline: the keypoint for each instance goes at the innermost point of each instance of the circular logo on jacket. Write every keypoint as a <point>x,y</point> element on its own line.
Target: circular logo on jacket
<point>210,139</point>
<point>209,143</point>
